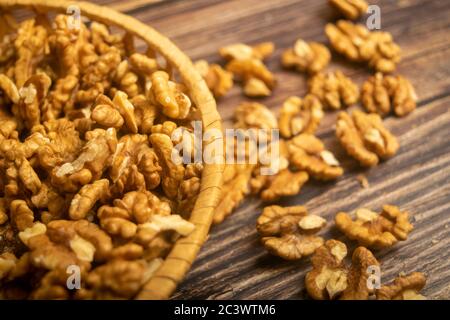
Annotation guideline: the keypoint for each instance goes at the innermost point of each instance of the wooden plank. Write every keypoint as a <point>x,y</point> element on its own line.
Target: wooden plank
<point>233,264</point>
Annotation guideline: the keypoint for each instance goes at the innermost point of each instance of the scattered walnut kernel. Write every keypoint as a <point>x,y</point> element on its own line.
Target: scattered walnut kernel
<point>285,233</point>
<point>351,9</point>
<point>309,57</point>
<point>300,116</point>
<point>285,183</point>
<point>365,138</point>
<point>358,44</point>
<point>334,89</point>
<point>306,152</point>
<point>405,287</point>
<point>376,230</point>
<point>383,94</point>
<point>219,81</point>
<point>241,51</point>
<point>330,278</point>
<point>254,70</point>
<point>254,115</point>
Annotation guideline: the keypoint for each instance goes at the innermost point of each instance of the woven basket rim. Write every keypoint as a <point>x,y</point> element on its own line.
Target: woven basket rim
<point>174,268</point>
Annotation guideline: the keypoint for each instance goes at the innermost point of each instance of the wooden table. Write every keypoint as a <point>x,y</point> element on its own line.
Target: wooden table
<point>233,264</point>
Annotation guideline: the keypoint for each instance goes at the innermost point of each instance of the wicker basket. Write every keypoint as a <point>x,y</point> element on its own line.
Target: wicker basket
<point>176,265</point>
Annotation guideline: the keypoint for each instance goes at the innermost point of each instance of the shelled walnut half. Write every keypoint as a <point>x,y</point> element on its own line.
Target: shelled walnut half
<point>218,80</point>
<point>405,287</point>
<point>246,64</point>
<point>334,89</point>
<point>375,230</point>
<point>310,57</point>
<point>331,278</point>
<point>351,9</point>
<point>289,232</point>
<point>365,138</point>
<point>357,43</point>
<point>300,115</point>
<point>306,152</point>
<point>384,94</point>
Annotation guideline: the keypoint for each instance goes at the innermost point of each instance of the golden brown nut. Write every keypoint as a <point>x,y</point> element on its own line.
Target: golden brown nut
<point>21,215</point>
<point>143,65</point>
<point>86,198</point>
<point>365,138</point>
<point>285,183</point>
<point>335,90</point>
<point>145,113</point>
<point>254,115</point>
<point>403,288</point>
<point>289,232</point>
<point>375,230</point>
<point>351,9</point>
<point>358,44</point>
<point>310,57</point>
<point>175,104</point>
<point>300,116</point>
<point>172,173</point>
<point>105,113</point>
<point>241,51</point>
<point>219,81</point>
<point>358,275</point>
<point>127,80</point>
<point>383,94</point>
<point>330,278</point>
<point>9,88</point>
<point>308,153</point>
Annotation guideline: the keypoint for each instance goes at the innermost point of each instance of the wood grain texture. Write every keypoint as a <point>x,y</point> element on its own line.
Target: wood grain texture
<point>232,264</point>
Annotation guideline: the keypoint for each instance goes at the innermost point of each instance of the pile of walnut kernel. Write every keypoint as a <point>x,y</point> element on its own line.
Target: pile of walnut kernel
<point>87,178</point>
<point>290,232</point>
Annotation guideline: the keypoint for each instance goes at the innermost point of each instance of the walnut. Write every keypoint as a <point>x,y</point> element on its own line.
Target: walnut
<point>309,57</point>
<point>254,115</point>
<point>105,114</point>
<point>300,116</point>
<point>306,152</point>
<point>219,81</point>
<point>405,287</point>
<point>9,88</point>
<point>358,275</point>
<point>21,215</point>
<point>127,80</point>
<point>36,229</point>
<point>84,238</point>
<point>365,138</point>
<point>331,278</point>
<point>145,113</point>
<point>234,190</point>
<point>86,198</point>
<point>93,157</point>
<point>3,211</point>
<point>328,277</point>
<point>285,183</point>
<point>375,230</point>
<point>357,43</point>
<point>172,173</point>
<point>175,104</point>
<point>289,232</point>
<point>7,263</point>
<point>189,188</point>
<point>32,94</point>
<point>334,89</point>
<point>30,44</point>
<point>143,65</point>
<point>241,51</point>
<point>126,110</point>
<point>351,9</point>
<point>383,94</point>
<point>28,176</point>
<point>257,79</point>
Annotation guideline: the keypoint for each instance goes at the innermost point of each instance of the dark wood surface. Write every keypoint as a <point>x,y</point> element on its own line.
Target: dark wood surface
<point>232,264</point>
